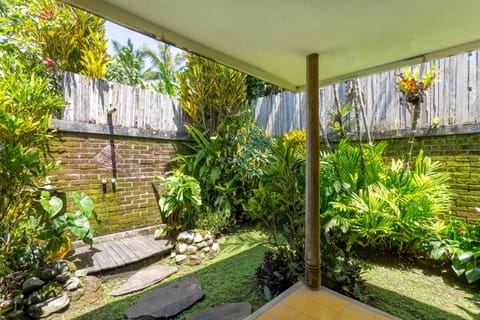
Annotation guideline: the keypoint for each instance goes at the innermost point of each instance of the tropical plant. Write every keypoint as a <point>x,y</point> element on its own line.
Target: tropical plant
<point>227,167</point>
<point>210,94</point>
<point>27,100</point>
<point>342,174</point>
<point>278,202</point>
<point>413,90</point>
<point>461,245</point>
<point>164,67</point>
<point>66,38</point>
<point>398,212</point>
<point>297,137</point>
<point>273,276</point>
<point>181,202</point>
<point>278,206</point>
<point>340,120</point>
<point>341,271</point>
<point>127,66</point>
<point>53,230</point>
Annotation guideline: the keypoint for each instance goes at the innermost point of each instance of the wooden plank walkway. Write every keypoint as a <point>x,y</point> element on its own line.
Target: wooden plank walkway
<point>118,253</point>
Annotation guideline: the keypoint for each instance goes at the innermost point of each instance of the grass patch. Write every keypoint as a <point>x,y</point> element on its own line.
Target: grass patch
<point>421,290</point>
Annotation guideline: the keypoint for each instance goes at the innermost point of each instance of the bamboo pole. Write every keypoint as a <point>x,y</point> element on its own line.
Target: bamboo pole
<point>312,205</point>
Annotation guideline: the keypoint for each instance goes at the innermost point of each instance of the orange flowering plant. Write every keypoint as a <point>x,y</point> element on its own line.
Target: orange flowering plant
<point>413,91</point>
<point>412,87</point>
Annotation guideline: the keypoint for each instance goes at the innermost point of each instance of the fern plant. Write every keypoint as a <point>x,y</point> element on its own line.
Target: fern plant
<point>397,213</point>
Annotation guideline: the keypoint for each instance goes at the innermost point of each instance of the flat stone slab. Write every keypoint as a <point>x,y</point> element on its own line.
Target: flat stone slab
<point>229,311</point>
<point>167,300</point>
<point>144,279</point>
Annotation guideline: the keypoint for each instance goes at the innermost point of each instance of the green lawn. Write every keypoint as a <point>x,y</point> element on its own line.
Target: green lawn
<point>420,290</point>
<point>407,290</point>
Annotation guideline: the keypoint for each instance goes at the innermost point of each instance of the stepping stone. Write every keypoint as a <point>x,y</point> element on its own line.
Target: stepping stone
<point>167,300</point>
<point>144,278</point>
<point>229,311</point>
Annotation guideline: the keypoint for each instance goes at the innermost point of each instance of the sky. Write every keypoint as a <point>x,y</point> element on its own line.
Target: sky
<point>120,34</point>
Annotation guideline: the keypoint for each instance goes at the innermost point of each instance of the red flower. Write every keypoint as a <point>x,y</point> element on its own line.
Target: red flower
<point>48,62</point>
<point>47,14</point>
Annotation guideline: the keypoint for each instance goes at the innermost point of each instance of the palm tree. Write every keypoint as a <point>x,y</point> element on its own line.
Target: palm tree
<point>164,66</point>
<point>127,66</point>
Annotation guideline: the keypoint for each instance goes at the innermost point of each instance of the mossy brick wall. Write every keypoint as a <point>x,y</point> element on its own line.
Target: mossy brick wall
<point>458,149</point>
<point>132,201</point>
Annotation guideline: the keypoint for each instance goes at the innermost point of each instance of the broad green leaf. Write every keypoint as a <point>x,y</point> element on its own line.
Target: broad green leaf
<point>465,256</point>
<point>473,274</point>
<point>457,265</point>
<point>437,253</point>
<point>60,223</point>
<point>53,205</point>
<point>84,203</point>
<point>214,175</point>
<point>159,232</point>
<point>267,294</point>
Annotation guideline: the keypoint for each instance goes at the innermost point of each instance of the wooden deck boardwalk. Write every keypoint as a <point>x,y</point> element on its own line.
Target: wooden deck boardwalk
<point>118,253</point>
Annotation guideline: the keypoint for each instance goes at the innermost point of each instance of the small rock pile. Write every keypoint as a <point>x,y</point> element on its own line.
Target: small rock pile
<point>194,245</point>
<point>45,293</point>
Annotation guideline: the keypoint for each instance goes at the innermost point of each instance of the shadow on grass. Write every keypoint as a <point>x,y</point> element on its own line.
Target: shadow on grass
<point>410,309</point>
<point>428,267</point>
<point>227,278</point>
<point>456,298</point>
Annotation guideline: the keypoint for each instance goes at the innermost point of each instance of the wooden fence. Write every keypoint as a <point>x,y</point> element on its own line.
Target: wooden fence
<point>453,99</point>
<point>90,99</point>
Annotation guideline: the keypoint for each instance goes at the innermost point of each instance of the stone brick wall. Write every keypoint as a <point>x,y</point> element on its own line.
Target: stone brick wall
<point>458,149</point>
<point>130,202</point>
<point>460,155</point>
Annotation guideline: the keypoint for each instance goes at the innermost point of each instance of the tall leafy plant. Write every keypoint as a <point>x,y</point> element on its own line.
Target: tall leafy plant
<point>342,173</point>
<point>210,94</point>
<point>127,65</point>
<point>278,205</point>
<point>27,100</point>
<point>279,201</point>
<point>227,167</point>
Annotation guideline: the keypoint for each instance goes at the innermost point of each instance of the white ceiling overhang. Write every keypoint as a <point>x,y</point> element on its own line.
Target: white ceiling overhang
<point>270,39</point>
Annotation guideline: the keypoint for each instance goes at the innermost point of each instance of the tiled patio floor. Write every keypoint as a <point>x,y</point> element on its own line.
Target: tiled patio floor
<point>301,303</point>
